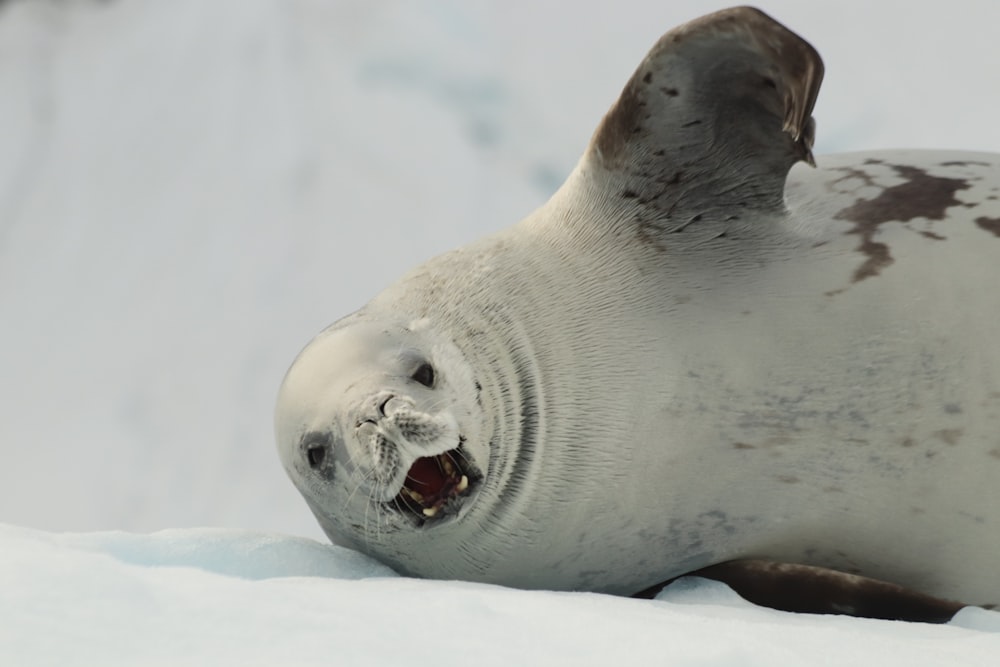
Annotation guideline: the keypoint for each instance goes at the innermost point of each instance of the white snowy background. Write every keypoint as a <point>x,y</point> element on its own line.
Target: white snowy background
<point>191,189</point>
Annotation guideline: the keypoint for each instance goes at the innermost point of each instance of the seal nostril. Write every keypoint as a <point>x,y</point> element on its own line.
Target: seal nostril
<point>381,406</point>
<point>316,454</point>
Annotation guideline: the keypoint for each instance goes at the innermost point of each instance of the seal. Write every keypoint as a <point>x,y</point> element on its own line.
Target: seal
<point>700,350</point>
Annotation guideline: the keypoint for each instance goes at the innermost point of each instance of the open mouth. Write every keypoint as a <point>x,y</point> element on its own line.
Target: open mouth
<point>432,482</point>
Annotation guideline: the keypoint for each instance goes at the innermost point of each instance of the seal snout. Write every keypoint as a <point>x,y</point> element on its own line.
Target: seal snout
<point>387,405</point>
<point>415,457</point>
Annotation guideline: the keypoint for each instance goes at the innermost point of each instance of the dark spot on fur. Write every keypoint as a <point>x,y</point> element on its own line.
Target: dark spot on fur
<point>851,172</point>
<point>949,436</point>
<point>660,153</point>
<point>953,408</point>
<point>933,236</point>
<point>995,452</point>
<point>629,194</point>
<point>992,225</point>
<point>908,442</point>
<point>648,235</point>
<point>769,82</point>
<point>789,479</point>
<point>877,253</point>
<point>676,178</point>
<point>669,92</point>
<point>742,445</point>
<point>919,196</point>
<point>964,163</point>
<point>691,123</point>
<point>648,78</point>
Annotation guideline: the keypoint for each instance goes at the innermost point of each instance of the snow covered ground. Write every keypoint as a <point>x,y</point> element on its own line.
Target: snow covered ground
<point>189,190</point>
<point>214,597</point>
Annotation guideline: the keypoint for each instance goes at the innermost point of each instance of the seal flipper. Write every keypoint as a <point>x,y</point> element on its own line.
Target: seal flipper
<point>816,590</point>
<point>712,120</point>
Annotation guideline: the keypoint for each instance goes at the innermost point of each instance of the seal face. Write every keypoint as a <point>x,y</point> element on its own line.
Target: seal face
<point>395,416</point>
<point>693,353</point>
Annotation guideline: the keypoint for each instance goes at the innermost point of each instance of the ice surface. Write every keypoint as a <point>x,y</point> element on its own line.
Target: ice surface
<point>211,597</point>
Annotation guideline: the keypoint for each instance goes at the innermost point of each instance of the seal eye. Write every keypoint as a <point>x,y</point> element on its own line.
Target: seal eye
<point>424,375</point>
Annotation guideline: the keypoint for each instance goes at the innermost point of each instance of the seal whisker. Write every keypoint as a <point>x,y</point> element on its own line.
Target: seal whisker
<point>365,481</point>
<point>465,462</point>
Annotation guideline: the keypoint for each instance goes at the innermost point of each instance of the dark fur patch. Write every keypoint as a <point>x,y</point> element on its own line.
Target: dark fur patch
<point>949,436</point>
<point>726,147</point>
<point>992,225</point>
<point>919,196</point>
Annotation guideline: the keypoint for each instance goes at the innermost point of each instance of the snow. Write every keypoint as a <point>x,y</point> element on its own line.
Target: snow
<point>222,596</point>
<point>190,190</point>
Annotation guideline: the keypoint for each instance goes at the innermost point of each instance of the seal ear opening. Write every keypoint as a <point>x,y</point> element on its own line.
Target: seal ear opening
<point>714,117</point>
<point>315,449</point>
<point>315,454</point>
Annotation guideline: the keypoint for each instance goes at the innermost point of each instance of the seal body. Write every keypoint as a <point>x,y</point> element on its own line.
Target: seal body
<point>689,355</point>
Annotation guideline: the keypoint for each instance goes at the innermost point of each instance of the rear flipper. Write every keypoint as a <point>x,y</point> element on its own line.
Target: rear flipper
<point>817,590</point>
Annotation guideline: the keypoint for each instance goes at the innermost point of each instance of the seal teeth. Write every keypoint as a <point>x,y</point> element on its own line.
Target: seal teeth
<point>441,479</point>
<point>413,495</point>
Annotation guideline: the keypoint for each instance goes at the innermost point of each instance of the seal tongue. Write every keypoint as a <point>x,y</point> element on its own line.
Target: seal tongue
<point>426,476</point>
<point>430,483</point>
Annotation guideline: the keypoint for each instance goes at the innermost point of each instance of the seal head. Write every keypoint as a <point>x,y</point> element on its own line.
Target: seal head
<point>376,417</point>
